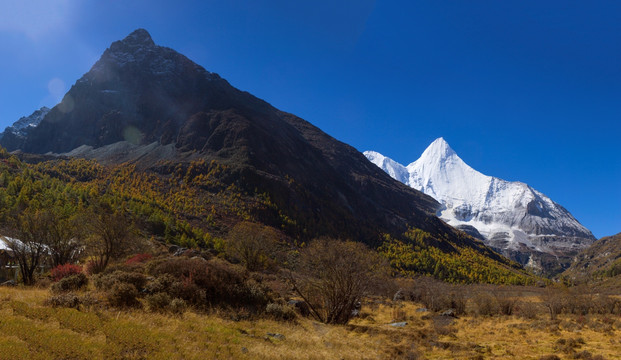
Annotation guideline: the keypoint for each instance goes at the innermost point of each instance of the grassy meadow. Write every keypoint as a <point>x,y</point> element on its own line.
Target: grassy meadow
<point>30,329</point>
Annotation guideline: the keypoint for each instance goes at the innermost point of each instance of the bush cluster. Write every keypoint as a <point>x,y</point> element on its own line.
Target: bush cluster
<point>70,300</point>
<point>106,281</point>
<point>436,295</point>
<point>172,284</point>
<point>123,295</point>
<point>70,283</point>
<point>138,258</point>
<point>278,311</point>
<point>579,301</point>
<point>203,283</point>
<point>122,288</point>
<point>158,302</point>
<point>62,271</point>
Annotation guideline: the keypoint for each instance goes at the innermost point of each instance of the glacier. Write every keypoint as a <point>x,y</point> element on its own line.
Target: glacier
<point>509,216</point>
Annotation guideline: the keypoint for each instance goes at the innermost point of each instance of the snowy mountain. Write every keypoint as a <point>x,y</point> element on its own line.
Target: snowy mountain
<point>21,126</point>
<point>511,217</point>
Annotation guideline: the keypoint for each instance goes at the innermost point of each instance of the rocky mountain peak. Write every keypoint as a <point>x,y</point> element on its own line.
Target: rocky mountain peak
<point>137,52</point>
<point>14,135</point>
<point>139,39</point>
<point>31,121</point>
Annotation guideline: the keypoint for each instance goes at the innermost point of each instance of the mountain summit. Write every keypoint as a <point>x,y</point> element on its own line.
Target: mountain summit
<point>139,37</point>
<point>439,150</point>
<point>136,92</point>
<point>153,107</point>
<point>511,217</point>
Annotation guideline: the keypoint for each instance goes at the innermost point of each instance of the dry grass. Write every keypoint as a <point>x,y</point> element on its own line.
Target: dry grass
<point>29,330</point>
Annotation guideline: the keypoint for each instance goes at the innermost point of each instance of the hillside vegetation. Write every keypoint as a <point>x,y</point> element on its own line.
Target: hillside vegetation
<point>196,205</point>
<point>601,261</point>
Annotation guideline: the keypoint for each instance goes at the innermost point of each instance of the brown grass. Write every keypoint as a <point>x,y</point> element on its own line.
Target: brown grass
<point>29,330</point>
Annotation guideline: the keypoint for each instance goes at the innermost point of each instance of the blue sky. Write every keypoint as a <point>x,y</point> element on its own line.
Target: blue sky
<point>522,90</point>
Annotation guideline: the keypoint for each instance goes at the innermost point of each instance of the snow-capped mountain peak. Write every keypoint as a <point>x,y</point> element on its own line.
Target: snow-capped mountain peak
<point>509,216</point>
<point>438,150</point>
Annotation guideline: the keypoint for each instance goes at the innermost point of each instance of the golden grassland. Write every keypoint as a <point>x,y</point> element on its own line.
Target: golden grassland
<point>31,330</point>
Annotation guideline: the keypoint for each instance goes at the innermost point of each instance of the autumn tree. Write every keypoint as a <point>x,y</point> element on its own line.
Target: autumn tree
<point>63,238</point>
<point>27,240</point>
<point>333,276</point>
<point>256,246</point>
<point>110,236</point>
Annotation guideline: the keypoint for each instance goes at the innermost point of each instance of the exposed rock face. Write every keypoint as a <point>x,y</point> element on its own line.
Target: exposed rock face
<point>15,135</point>
<point>143,103</point>
<point>511,217</point>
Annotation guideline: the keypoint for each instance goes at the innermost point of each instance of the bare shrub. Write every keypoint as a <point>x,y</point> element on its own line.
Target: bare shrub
<point>404,351</point>
<point>161,283</point>
<point>162,303</point>
<point>123,295</point>
<point>610,305</point>
<point>458,300</point>
<point>256,246</point>
<point>332,276</point>
<point>178,306</point>
<point>506,303</point>
<point>159,302</point>
<point>70,283</point>
<point>69,300</point>
<point>278,311</point>
<point>203,282</point>
<point>554,299</point>
<point>550,357</point>
<point>106,281</point>
<point>568,346</point>
<point>485,304</point>
<point>431,293</point>
<point>527,310</point>
<point>438,296</point>
<point>398,313</point>
<point>586,355</point>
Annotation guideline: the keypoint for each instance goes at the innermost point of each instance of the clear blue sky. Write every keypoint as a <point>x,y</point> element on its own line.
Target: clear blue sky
<point>522,90</point>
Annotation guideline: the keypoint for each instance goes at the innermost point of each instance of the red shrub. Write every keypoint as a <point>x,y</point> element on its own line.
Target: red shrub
<point>65,270</point>
<point>138,258</point>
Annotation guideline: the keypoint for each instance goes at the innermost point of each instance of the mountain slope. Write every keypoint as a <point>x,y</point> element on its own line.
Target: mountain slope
<point>14,136</point>
<point>512,217</point>
<point>190,155</point>
<point>148,104</point>
<point>602,259</point>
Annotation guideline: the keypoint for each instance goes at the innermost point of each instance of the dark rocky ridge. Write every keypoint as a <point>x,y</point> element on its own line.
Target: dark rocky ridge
<point>144,96</point>
<point>14,136</point>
